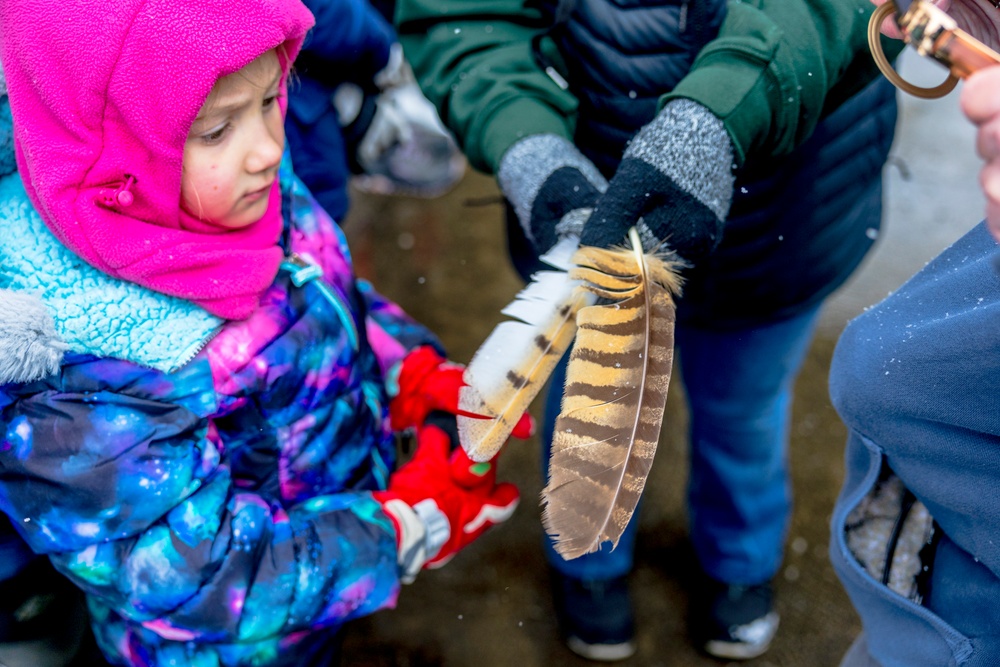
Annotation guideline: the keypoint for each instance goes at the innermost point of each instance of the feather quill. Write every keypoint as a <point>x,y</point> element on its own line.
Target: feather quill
<point>616,391</point>
<point>514,362</point>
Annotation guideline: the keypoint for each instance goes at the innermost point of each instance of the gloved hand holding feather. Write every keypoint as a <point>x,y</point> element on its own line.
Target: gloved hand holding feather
<point>551,186</point>
<point>674,185</point>
<point>670,195</point>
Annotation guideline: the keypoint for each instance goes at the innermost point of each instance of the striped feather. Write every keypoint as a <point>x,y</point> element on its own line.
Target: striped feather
<point>517,358</point>
<point>616,391</point>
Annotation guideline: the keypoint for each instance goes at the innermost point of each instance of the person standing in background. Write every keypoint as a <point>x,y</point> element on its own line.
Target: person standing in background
<point>746,139</point>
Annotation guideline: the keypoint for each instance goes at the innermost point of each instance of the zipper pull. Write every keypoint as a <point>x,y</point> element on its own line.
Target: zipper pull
<point>300,270</point>
<point>121,195</point>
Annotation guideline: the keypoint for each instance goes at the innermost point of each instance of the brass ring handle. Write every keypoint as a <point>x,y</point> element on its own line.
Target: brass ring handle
<point>875,44</point>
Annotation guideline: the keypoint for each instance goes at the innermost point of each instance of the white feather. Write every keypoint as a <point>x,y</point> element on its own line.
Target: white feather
<point>512,349</point>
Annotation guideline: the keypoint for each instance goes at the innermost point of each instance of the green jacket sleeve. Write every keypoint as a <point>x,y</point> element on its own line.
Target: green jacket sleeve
<point>474,61</point>
<point>775,68</point>
<point>778,65</point>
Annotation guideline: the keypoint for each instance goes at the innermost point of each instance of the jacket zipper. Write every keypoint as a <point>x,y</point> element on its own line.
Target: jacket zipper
<point>301,272</point>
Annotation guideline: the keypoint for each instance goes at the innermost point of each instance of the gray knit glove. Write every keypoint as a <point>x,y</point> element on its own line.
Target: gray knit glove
<point>551,186</point>
<point>675,184</point>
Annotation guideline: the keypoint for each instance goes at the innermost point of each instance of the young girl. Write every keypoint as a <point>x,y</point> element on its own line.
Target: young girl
<point>197,421</point>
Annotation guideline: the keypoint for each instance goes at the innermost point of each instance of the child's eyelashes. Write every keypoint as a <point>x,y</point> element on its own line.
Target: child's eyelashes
<point>216,134</point>
<point>232,117</point>
<point>270,100</point>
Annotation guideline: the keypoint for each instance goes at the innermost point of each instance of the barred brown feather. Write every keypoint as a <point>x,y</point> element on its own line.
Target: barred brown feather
<point>616,391</point>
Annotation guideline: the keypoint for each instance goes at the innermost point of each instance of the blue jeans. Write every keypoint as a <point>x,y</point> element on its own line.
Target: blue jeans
<point>739,389</point>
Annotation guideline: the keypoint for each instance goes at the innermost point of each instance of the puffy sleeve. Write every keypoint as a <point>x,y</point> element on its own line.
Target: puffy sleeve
<point>391,332</point>
<point>117,473</point>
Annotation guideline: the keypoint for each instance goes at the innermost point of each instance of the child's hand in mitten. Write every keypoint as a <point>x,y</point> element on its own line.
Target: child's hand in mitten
<point>426,382</point>
<point>440,501</point>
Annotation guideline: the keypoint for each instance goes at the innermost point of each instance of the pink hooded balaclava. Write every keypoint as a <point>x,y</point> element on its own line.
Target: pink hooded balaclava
<point>103,94</point>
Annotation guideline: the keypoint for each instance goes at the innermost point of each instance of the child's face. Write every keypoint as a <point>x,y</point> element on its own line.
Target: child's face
<point>232,152</point>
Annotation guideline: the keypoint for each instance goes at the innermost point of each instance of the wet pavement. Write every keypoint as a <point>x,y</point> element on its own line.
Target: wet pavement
<point>445,261</point>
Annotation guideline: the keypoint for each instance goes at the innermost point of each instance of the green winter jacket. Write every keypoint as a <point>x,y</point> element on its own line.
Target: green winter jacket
<point>776,67</point>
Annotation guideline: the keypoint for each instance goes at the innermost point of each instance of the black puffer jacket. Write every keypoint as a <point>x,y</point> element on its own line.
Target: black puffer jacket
<point>621,56</point>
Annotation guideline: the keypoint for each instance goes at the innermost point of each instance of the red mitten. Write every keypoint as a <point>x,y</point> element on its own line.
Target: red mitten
<point>426,382</point>
<point>440,501</point>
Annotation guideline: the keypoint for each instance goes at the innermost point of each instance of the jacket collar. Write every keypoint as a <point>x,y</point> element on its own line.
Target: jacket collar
<point>93,313</point>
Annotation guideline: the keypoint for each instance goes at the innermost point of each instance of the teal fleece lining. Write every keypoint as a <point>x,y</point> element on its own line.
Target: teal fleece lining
<point>93,312</point>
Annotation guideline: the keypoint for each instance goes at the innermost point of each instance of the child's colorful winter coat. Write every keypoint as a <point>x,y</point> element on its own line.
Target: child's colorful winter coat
<point>220,501</point>
<point>205,481</point>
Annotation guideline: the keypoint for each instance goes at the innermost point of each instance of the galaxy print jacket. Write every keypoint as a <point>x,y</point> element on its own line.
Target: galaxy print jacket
<point>205,482</point>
